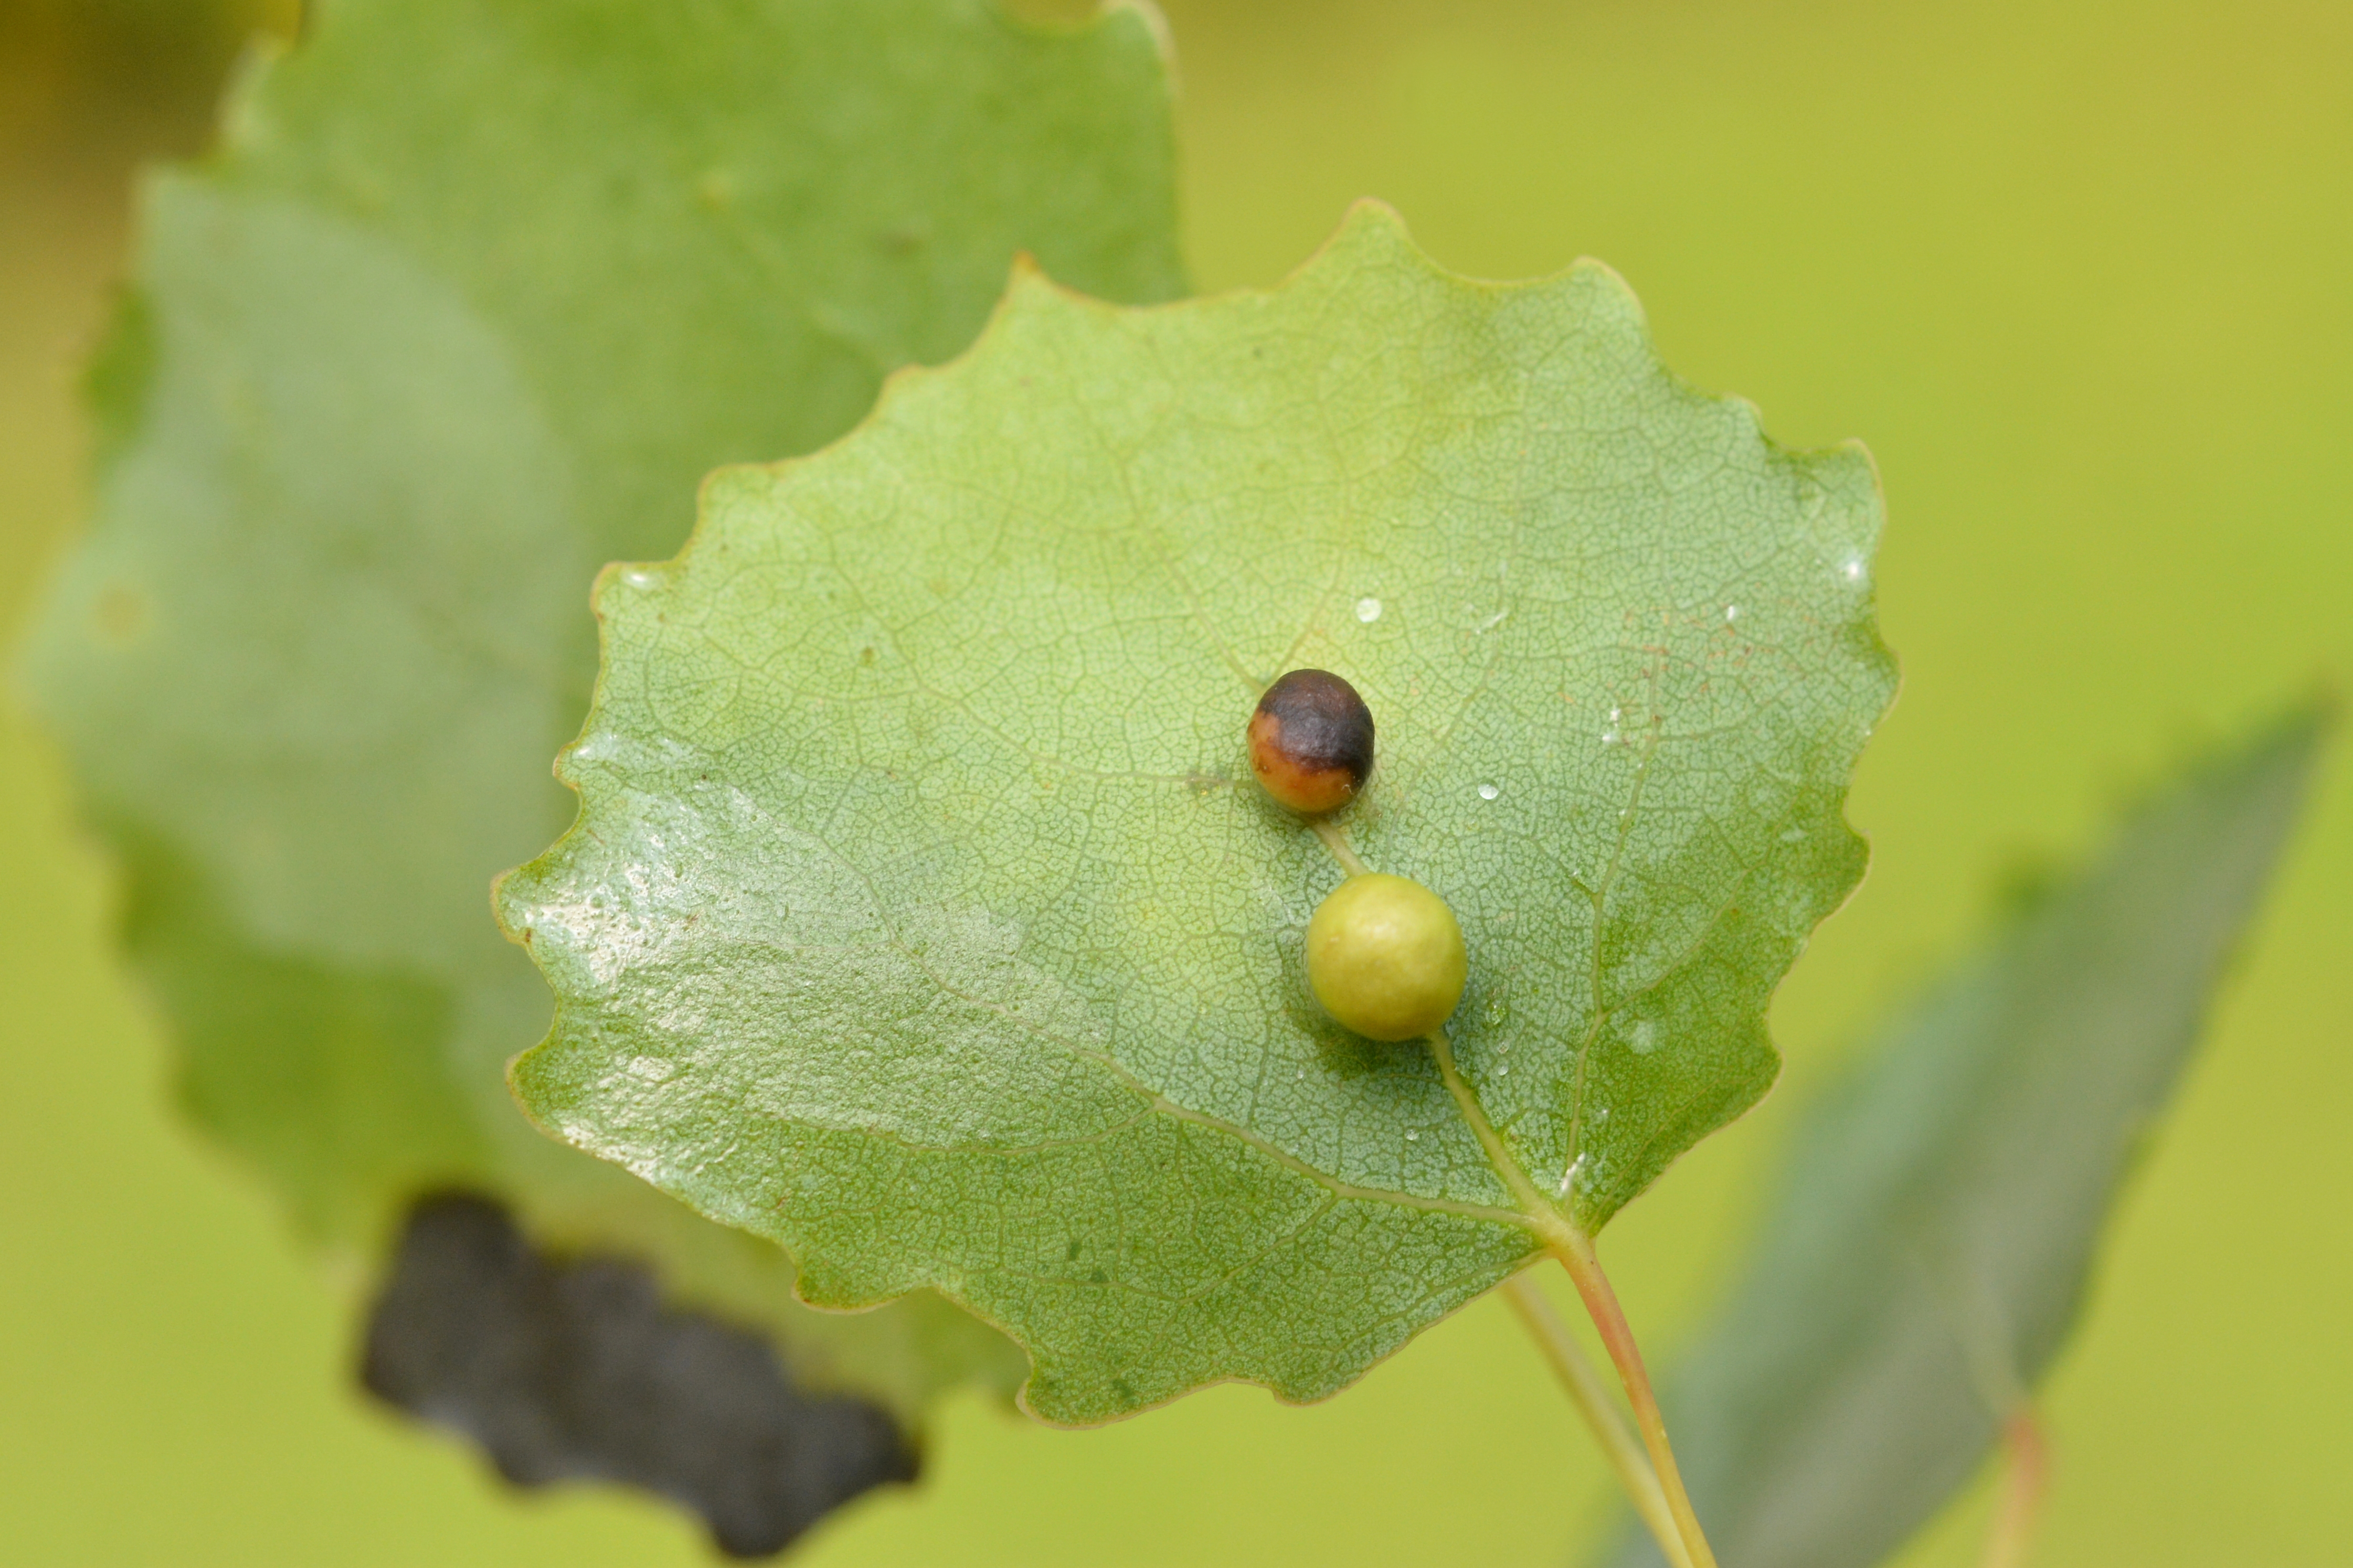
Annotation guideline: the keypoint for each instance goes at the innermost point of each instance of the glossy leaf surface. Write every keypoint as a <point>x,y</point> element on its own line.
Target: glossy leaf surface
<point>923,914</point>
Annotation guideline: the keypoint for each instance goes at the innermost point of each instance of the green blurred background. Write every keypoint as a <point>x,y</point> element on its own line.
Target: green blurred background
<point>2080,272</point>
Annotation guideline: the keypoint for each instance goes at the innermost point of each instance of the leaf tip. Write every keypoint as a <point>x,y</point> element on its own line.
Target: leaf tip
<point>2300,734</point>
<point>1025,268</point>
<point>511,927</point>
<point>1367,211</point>
<point>520,1075</point>
<point>1596,273</point>
<point>1370,229</point>
<point>1155,23</point>
<point>1372,223</point>
<point>2320,710</point>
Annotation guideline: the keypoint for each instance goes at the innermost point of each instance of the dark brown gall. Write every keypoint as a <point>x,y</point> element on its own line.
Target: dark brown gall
<point>1311,742</point>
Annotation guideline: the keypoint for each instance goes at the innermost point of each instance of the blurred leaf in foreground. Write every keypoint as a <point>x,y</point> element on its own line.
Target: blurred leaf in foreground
<point>1935,1231</point>
<point>475,293</point>
<point>923,913</point>
<point>574,1369</point>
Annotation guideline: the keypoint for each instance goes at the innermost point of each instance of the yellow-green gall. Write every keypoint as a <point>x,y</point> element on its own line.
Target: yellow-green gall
<point>1385,957</point>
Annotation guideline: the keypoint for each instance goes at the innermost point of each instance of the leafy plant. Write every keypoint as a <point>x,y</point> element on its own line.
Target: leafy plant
<point>913,881</point>
<point>922,914</point>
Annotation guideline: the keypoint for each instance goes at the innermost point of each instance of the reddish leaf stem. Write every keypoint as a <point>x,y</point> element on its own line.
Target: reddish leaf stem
<point>1576,1253</point>
<point>1591,1396</point>
<point>2025,1472</point>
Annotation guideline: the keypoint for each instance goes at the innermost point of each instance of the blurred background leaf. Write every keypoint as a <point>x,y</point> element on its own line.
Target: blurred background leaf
<point>2075,272</point>
<point>469,301</point>
<point>1926,1252</point>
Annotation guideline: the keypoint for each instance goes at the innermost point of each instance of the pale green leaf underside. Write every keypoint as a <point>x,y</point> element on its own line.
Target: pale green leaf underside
<point>916,916</point>
<point>1927,1251</point>
<point>476,293</point>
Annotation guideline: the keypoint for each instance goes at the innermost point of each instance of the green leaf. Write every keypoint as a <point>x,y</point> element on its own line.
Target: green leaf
<point>1927,1253</point>
<point>923,914</point>
<point>476,292</point>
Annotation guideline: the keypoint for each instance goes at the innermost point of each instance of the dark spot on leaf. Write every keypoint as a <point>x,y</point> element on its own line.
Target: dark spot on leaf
<point>575,1370</point>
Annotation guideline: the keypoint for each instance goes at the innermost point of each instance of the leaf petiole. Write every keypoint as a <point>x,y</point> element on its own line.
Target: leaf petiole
<point>1656,1489</point>
<point>1591,1397</point>
<point>1601,1305</point>
<point>1571,1246</point>
<point>2025,1467</point>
